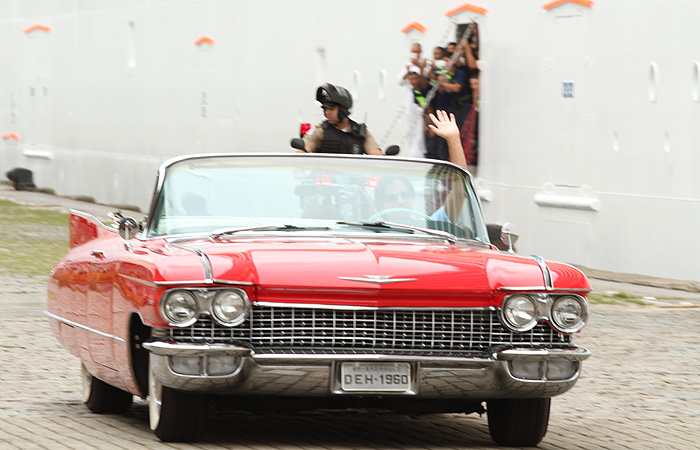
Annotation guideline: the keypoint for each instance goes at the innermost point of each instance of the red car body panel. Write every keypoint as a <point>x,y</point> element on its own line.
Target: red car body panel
<point>101,275</point>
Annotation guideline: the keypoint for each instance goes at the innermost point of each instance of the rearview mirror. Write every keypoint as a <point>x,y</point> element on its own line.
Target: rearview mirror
<point>509,234</point>
<point>298,144</point>
<point>392,150</point>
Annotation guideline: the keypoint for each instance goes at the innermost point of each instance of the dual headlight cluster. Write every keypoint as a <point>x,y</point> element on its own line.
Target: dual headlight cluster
<point>566,313</point>
<point>182,307</point>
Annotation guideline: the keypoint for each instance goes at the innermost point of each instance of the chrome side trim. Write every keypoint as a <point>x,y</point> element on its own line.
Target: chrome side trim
<point>138,280</point>
<point>82,327</point>
<point>154,284</point>
<point>372,308</point>
<point>538,288</point>
<point>93,218</point>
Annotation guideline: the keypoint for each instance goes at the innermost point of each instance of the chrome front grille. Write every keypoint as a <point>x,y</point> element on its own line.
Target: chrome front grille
<point>290,330</point>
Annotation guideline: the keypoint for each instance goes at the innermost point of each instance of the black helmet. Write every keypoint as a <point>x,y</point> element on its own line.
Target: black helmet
<point>331,95</point>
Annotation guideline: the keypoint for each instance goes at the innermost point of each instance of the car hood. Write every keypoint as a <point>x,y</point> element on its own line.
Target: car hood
<point>372,272</point>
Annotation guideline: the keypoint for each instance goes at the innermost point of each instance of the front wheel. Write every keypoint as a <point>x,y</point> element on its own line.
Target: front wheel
<point>102,398</point>
<point>518,422</point>
<point>175,416</point>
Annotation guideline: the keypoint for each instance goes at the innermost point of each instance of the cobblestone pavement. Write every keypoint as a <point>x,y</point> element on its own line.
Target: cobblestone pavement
<point>640,389</point>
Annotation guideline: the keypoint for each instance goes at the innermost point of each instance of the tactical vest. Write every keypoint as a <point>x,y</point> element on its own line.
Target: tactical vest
<point>420,97</point>
<point>338,141</point>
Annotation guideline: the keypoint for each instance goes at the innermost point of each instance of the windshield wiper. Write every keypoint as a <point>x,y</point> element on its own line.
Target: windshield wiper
<point>284,227</point>
<point>451,238</point>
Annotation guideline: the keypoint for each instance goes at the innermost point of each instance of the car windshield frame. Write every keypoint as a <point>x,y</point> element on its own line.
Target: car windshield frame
<point>193,192</point>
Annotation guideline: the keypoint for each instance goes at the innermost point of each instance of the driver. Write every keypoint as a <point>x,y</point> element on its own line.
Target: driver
<point>338,133</point>
<point>394,192</point>
<point>394,195</point>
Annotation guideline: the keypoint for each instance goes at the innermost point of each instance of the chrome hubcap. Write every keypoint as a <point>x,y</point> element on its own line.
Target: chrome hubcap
<point>86,382</point>
<point>155,395</point>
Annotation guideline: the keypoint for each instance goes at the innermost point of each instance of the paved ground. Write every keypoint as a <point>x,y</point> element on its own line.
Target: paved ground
<point>640,389</point>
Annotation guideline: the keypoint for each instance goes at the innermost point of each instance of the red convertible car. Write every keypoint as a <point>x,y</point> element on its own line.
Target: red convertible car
<point>321,281</point>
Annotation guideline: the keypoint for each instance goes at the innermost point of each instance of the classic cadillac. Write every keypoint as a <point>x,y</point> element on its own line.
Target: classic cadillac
<point>314,280</point>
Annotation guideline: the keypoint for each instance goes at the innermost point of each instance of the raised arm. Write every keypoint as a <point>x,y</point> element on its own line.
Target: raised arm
<point>446,127</point>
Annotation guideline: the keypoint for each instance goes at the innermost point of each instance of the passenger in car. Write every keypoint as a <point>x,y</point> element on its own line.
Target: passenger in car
<point>445,126</point>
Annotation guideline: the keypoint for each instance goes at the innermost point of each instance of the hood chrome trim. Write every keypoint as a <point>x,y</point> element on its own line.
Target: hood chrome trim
<point>378,279</point>
<point>185,282</point>
<point>208,276</point>
<point>546,274</point>
<point>539,288</point>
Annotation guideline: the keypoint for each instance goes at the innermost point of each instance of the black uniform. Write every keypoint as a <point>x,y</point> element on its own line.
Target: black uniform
<point>338,141</point>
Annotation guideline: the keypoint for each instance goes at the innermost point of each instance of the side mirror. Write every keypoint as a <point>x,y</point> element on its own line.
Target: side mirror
<point>509,234</point>
<point>392,150</point>
<point>128,226</point>
<point>298,144</point>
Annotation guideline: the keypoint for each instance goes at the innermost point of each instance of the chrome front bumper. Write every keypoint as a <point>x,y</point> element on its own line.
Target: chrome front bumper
<point>319,375</point>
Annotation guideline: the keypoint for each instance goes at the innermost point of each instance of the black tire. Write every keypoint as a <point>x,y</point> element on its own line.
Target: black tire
<point>176,416</point>
<point>102,398</point>
<point>518,422</point>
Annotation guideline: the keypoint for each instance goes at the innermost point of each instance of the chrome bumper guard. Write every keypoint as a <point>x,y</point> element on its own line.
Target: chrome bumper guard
<point>232,369</point>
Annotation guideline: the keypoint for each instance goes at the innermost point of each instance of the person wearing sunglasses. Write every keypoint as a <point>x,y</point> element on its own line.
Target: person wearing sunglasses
<point>394,196</point>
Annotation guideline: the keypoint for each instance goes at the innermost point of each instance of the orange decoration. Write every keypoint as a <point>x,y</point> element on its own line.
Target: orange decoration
<point>466,7</point>
<point>586,3</point>
<point>37,27</point>
<point>12,135</point>
<point>414,26</point>
<point>204,40</point>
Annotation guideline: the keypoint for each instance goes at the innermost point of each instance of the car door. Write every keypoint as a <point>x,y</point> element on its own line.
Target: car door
<point>99,305</point>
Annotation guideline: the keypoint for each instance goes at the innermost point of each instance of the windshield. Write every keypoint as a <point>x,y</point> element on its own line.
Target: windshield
<point>208,194</point>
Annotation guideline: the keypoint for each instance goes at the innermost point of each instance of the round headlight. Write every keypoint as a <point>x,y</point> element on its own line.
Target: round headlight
<point>179,308</point>
<point>569,313</point>
<point>230,307</point>
<point>520,312</point>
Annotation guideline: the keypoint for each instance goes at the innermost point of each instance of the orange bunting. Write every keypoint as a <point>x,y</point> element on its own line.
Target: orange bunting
<point>466,7</point>
<point>12,135</point>
<point>204,40</point>
<point>414,26</point>
<point>37,27</point>
<point>586,3</point>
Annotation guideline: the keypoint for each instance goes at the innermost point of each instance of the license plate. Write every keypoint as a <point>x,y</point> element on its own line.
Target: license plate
<point>375,377</point>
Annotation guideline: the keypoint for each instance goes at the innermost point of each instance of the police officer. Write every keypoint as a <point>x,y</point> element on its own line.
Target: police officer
<point>338,133</point>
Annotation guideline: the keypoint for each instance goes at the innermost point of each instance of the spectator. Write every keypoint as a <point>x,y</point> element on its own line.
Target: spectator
<point>448,97</point>
<point>416,59</point>
<point>470,130</point>
<point>417,86</point>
